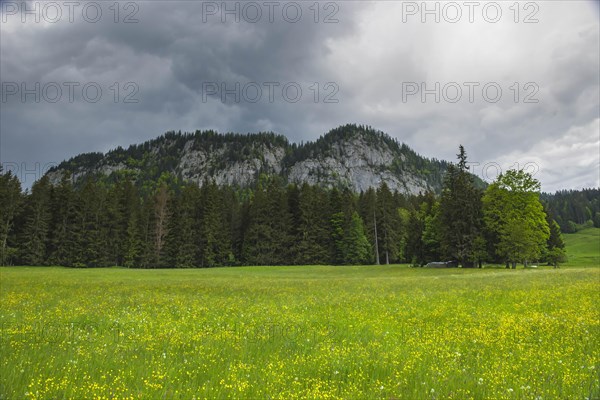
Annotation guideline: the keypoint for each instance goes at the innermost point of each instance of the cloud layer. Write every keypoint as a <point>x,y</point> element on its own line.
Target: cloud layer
<point>512,84</point>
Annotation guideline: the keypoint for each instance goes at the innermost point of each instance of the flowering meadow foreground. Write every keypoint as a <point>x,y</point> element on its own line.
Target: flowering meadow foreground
<point>376,332</point>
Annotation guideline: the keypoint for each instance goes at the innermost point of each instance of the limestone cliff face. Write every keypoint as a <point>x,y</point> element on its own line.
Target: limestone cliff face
<point>349,156</point>
<point>359,165</point>
<point>205,164</point>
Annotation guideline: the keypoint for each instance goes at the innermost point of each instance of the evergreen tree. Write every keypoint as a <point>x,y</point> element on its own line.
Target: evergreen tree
<point>404,220</point>
<point>160,222</point>
<point>414,250</point>
<point>147,231</point>
<point>555,246</point>
<point>168,257</point>
<point>388,225</point>
<point>188,222</point>
<point>233,216</point>
<point>92,241</point>
<point>368,212</point>
<point>66,225</point>
<point>10,203</point>
<point>341,208</point>
<point>116,220</point>
<point>432,231</point>
<point>133,242</point>
<point>338,233</point>
<point>356,246</point>
<point>266,240</point>
<point>214,230</point>
<point>460,213</point>
<point>308,210</point>
<point>37,218</point>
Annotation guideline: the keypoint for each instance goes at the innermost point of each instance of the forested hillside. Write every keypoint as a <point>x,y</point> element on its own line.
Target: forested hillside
<point>351,156</point>
<point>574,210</point>
<point>168,222</point>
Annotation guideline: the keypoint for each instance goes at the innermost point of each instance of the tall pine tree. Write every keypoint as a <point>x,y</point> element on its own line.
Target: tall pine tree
<point>37,217</point>
<point>460,214</point>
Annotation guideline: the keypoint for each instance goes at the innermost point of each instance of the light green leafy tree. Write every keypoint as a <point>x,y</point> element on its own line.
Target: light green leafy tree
<point>513,211</point>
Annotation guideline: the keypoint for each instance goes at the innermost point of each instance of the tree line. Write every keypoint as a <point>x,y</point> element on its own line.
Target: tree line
<point>171,224</point>
<point>574,210</point>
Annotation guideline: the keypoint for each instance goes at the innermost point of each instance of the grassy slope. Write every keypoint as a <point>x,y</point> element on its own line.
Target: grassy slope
<point>312,332</point>
<point>583,247</point>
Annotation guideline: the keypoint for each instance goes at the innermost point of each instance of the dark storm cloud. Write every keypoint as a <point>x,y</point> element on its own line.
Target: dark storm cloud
<point>177,53</point>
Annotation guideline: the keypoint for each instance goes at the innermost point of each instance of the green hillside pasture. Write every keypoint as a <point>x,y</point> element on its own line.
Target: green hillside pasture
<point>583,247</point>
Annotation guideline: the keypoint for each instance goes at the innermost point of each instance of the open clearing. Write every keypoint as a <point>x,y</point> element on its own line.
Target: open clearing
<point>583,247</point>
<point>300,332</point>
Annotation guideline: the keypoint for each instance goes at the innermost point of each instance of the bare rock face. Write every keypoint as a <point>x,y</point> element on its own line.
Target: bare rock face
<point>354,157</point>
<point>207,165</point>
<point>359,166</point>
<point>55,176</point>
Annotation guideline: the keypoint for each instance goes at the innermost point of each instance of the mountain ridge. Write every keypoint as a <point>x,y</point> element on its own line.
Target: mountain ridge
<point>352,156</point>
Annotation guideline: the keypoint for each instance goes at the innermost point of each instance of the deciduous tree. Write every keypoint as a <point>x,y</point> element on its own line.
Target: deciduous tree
<point>513,211</point>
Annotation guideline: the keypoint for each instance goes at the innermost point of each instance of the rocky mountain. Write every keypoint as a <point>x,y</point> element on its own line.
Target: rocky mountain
<point>352,156</point>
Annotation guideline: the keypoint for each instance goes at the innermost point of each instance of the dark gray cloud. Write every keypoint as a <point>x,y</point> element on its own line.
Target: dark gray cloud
<point>178,52</point>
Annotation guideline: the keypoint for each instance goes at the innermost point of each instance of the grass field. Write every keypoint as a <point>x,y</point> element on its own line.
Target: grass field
<point>583,247</point>
<point>300,332</point>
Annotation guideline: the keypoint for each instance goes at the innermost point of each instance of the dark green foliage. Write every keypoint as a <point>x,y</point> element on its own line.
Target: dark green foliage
<point>460,215</point>
<point>367,205</point>
<point>414,250</point>
<point>357,247</point>
<point>65,240</point>
<point>133,221</point>
<point>389,225</point>
<point>555,246</point>
<point>267,240</point>
<point>215,228</point>
<point>574,209</point>
<point>92,241</point>
<point>10,205</point>
<point>160,215</point>
<point>186,253</point>
<point>432,230</point>
<point>37,216</point>
<point>308,207</point>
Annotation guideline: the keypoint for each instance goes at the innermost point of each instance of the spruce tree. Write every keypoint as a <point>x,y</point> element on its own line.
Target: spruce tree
<point>356,246</point>
<point>311,236</point>
<point>368,212</point>
<point>555,246</point>
<point>215,243</point>
<point>388,225</point>
<point>66,225</point>
<point>266,239</point>
<point>10,204</point>
<point>37,219</point>
<point>461,214</point>
<point>188,223</point>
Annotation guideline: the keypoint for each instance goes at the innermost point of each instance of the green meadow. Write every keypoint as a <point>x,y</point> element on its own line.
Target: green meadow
<point>583,247</point>
<point>379,332</point>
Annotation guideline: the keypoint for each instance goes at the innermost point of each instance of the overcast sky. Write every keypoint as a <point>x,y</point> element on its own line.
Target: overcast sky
<point>516,85</point>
